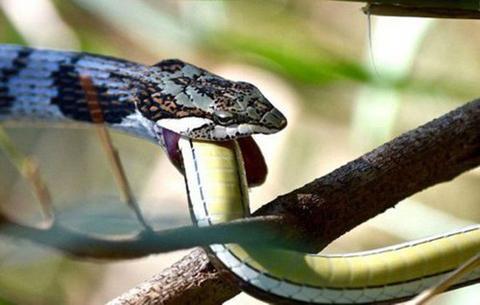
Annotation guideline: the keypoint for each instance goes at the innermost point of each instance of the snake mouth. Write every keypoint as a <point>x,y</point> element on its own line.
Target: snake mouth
<point>253,160</point>
<point>208,130</point>
<point>222,133</point>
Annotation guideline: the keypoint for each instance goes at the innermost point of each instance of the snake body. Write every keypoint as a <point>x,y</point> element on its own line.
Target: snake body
<point>44,85</point>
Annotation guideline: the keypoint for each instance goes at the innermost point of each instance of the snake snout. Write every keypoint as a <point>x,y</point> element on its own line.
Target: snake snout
<point>275,119</point>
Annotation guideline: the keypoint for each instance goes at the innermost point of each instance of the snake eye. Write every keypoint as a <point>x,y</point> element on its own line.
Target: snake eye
<point>223,117</point>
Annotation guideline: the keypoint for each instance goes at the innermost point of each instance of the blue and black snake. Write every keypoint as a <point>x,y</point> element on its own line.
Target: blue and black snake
<point>44,85</point>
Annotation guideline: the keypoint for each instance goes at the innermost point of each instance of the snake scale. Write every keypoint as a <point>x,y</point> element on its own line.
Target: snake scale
<point>186,110</point>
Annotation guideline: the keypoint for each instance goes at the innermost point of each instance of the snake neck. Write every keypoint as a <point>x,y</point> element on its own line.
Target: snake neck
<point>68,87</point>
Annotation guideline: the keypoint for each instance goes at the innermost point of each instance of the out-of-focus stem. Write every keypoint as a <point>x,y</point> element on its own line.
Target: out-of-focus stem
<point>112,153</point>
<point>447,282</point>
<point>29,169</point>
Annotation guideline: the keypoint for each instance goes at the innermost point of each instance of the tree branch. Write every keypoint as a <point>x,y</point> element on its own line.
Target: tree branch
<point>461,9</point>
<point>430,154</point>
<point>324,209</point>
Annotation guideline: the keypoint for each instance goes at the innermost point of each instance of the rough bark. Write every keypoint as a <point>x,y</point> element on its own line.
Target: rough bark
<point>324,209</point>
<point>192,280</point>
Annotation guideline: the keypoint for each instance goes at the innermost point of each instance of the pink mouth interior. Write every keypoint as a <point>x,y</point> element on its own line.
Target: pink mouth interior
<point>255,166</point>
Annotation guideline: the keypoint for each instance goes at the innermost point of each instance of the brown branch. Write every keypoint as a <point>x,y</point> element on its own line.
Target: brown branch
<point>412,11</point>
<point>192,280</point>
<point>329,206</point>
<point>430,154</point>
<point>460,9</point>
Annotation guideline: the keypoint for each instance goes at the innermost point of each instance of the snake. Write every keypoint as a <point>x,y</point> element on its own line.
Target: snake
<point>205,124</point>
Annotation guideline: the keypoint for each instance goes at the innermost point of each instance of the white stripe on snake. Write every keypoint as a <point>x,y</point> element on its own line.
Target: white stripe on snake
<point>180,106</point>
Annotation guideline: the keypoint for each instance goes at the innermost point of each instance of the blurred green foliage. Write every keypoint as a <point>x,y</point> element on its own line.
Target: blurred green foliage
<point>4,302</point>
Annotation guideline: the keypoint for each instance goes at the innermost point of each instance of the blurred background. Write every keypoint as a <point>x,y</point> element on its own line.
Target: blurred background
<point>344,89</point>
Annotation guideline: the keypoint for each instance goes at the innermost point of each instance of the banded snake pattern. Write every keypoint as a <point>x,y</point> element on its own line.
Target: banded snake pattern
<point>185,109</point>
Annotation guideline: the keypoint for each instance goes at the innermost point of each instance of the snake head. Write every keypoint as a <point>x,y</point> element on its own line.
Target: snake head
<point>200,105</point>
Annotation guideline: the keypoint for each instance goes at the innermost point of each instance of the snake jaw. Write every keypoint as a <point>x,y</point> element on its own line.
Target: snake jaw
<point>187,126</point>
<point>254,162</point>
<point>209,130</point>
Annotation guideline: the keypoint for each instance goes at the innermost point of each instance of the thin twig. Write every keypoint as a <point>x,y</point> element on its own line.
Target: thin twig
<point>450,280</point>
<point>29,169</point>
<point>111,152</point>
